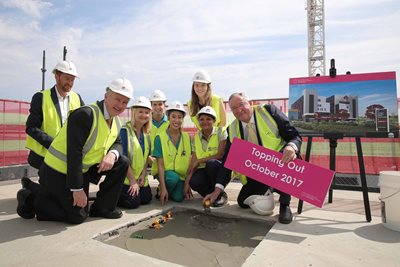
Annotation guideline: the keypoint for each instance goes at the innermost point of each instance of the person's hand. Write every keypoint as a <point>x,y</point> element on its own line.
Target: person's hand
<point>212,196</point>
<point>163,196</point>
<point>79,198</point>
<point>133,189</point>
<point>289,154</point>
<point>150,160</point>
<point>107,162</point>
<point>187,191</point>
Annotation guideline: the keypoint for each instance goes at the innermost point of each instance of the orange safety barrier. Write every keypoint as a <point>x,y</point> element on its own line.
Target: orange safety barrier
<point>379,154</point>
<point>13,116</point>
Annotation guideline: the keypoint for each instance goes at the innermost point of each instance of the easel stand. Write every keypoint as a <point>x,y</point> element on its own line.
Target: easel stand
<point>333,140</point>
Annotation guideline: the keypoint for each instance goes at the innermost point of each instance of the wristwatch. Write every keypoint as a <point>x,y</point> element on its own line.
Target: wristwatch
<point>293,145</point>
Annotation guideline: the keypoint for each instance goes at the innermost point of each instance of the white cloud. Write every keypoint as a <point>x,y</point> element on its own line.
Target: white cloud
<point>33,8</point>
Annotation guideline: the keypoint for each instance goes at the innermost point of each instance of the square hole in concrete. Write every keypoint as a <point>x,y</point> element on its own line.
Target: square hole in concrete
<point>193,238</point>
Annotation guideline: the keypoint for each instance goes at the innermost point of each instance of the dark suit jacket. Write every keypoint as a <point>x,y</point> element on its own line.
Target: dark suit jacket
<point>286,131</point>
<point>34,122</point>
<point>78,129</point>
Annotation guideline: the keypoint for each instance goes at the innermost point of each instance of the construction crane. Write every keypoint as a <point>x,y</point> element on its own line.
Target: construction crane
<point>316,37</point>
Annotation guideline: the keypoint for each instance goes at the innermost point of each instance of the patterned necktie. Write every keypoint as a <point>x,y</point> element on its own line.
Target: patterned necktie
<point>109,122</point>
<point>251,134</point>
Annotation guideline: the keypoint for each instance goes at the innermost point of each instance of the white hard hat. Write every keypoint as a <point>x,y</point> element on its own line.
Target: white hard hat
<point>202,77</point>
<point>207,110</point>
<point>66,66</point>
<point>157,95</point>
<point>261,204</point>
<point>142,102</point>
<point>122,86</point>
<point>176,105</point>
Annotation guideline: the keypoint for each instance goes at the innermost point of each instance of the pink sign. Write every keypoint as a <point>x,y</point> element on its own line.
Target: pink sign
<point>298,178</point>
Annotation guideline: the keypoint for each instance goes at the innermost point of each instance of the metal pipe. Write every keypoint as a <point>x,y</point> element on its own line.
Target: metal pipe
<point>43,69</point>
<point>65,53</point>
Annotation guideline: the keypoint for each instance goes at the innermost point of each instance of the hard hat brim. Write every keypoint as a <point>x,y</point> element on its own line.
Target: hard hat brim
<point>122,93</point>
<point>203,113</point>
<point>202,81</point>
<point>174,109</point>
<point>67,72</point>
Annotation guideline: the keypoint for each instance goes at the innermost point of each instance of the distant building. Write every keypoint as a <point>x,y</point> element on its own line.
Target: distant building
<point>343,103</point>
<point>310,106</point>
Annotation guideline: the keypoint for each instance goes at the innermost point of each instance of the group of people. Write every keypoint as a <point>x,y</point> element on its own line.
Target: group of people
<point>73,145</point>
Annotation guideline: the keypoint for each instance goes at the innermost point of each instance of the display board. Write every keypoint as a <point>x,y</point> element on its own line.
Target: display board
<point>353,103</point>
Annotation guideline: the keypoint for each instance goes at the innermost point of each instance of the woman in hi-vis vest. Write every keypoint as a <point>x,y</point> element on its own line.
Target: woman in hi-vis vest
<point>202,96</point>
<point>135,137</point>
<point>207,151</point>
<point>172,150</point>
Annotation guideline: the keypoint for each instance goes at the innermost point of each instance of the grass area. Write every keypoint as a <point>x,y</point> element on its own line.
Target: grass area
<point>348,149</point>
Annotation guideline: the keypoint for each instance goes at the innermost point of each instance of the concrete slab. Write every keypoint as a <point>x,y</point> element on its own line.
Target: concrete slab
<point>336,235</point>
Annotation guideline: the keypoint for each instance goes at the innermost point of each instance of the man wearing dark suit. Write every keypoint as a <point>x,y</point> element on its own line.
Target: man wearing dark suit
<point>87,147</point>
<point>267,126</point>
<point>49,110</point>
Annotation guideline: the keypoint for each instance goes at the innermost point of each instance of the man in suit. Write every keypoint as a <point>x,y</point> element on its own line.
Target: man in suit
<point>266,126</point>
<point>49,110</point>
<point>86,148</point>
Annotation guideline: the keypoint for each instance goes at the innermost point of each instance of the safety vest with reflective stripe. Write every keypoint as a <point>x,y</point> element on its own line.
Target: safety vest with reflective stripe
<point>266,128</point>
<point>154,132</point>
<point>51,123</point>
<point>176,159</point>
<point>99,141</point>
<point>135,153</point>
<point>212,145</point>
<point>215,104</point>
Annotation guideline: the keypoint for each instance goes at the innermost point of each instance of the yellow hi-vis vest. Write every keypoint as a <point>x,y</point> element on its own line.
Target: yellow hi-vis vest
<point>135,154</point>
<point>176,159</point>
<point>266,128</point>
<point>212,145</point>
<point>51,124</point>
<point>215,104</point>
<point>99,141</point>
<point>154,132</point>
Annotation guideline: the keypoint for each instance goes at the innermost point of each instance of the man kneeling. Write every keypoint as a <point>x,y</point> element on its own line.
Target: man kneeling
<point>87,147</point>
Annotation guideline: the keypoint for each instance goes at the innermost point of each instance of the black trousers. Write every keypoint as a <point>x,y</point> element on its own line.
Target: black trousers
<point>254,187</point>
<point>204,179</point>
<point>54,202</point>
<point>132,202</point>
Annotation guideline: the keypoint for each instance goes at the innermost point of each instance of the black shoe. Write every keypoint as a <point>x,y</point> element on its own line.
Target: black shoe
<point>34,187</point>
<point>109,214</point>
<point>24,208</point>
<point>285,214</point>
<point>221,200</point>
<point>25,181</point>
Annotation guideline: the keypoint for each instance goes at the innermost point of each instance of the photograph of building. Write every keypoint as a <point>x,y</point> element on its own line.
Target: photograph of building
<point>335,107</point>
<point>345,103</point>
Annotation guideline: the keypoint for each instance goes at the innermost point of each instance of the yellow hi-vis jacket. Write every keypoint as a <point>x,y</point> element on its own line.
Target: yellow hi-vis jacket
<point>154,132</point>
<point>266,128</point>
<point>51,124</point>
<point>215,104</point>
<point>212,145</point>
<point>99,141</point>
<point>176,159</point>
<point>135,154</point>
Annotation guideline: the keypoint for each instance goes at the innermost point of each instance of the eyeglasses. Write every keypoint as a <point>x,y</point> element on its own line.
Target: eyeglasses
<point>241,105</point>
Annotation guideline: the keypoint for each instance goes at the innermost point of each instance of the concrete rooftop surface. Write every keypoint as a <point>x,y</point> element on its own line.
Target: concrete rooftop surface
<point>335,235</point>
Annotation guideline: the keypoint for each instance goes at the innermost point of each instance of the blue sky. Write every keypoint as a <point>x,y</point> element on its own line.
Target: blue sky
<point>253,46</point>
